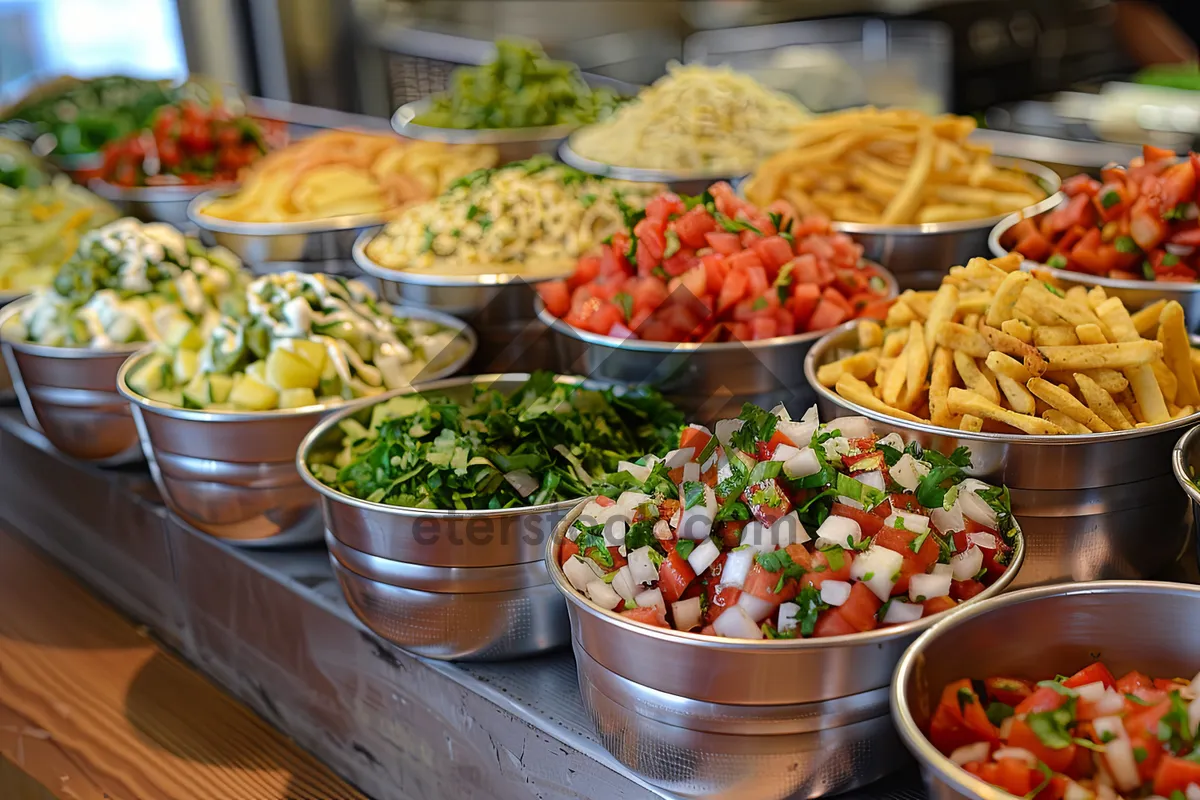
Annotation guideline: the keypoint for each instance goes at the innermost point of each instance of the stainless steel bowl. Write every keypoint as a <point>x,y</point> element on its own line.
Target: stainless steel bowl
<point>1083,500</point>
<point>167,204</point>
<point>709,381</point>
<point>499,306</point>
<point>740,672</point>
<point>232,474</point>
<point>920,255</point>
<point>321,245</point>
<point>681,182</point>
<point>1046,631</point>
<point>456,614</point>
<point>70,395</point>
<point>697,749</point>
<point>423,536</point>
<point>1133,293</point>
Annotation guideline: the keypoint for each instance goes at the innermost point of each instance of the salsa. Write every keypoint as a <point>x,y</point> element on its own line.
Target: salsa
<point>1089,735</point>
<point>780,528</point>
<point>1137,222</point>
<point>715,267</point>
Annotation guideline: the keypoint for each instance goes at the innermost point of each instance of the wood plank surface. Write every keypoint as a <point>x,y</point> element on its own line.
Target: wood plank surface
<point>90,708</point>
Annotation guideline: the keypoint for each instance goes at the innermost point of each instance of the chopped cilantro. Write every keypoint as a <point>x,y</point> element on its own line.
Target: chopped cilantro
<point>917,543</point>
<point>685,547</point>
<point>624,301</point>
<point>1058,261</point>
<point>693,494</point>
<point>835,556</point>
<point>1148,271</point>
<point>1139,754</point>
<point>672,244</point>
<point>1125,244</point>
<point>1169,260</point>
<point>1053,728</point>
<point>1054,290</point>
<point>998,712</point>
<point>759,304</point>
<point>1110,198</point>
<point>811,607</point>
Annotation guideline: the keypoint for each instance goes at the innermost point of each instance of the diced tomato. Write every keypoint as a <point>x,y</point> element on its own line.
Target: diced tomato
<point>1144,722</point>
<point>1014,776</point>
<point>1043,699</point>
<point>763,327</point>
<point>695,438</point>
<point>868,522</point>
<point>1112,201</point>
<point>566,551</point>
<point>767,500</point>
<point>655,616</point>
<point>720,600</point>
<point>773,251</point>
<point>693,226</point>
<point>832,623</point>
<point>1081,184</point>
<point>1175,775</point>
<point>965,590</point>
<point>1152,154</point>
<point>1010,691</point>
<point>826,315</point>
<point>556,296</point>
<point>674,576</point>
<point>960,719</point>
<point>820,570</point>
<point>1132,681</point>
<point>733,290</point>
<point>762,584</point>
<point>861,608</point>
<point>1148,766</point>
<point>1076,211</point>
<point>723,242</point>
<point>800,555</point>
<point>803,302</point>
<point>662,206</point>
<point>1021,735</point>
<point>617,559</point>
<point>765,450</point>
<point>1146,225</point>
<point>937,605</point>
<point>1092,673</point>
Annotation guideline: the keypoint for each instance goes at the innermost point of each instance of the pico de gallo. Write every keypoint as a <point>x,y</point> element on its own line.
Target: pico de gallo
<point>190,144</point>
<point>1090,736</point>
<point>770,527</point>
<point>714,268</point>
<point>1136,222</point>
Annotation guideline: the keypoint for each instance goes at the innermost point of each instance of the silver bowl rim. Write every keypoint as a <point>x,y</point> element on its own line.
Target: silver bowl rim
<point>309,442</point>
<point>344,222</point>
<point>14,309</point>
<point>1179,463</point>
<point>225,415</point>
<point>377,270</point>
<point>810,374</point>
<point>1166,287</point>
<point>152,194</point>
<point>929,756</point>
<point>572,158</point>
<point>561,326</point>
<point>671,636</point>
<point>402,123</point>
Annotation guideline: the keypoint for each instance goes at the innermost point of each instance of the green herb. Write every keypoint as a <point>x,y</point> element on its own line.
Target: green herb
<point>1135,699</point>
<point>931,490</point>
<point>706,453</point>
<point>759,304</point>
<point>640,535</point>
<point>693,494</point>
<point>1177,213</point>
<point>684,547</point>
<point>472,212</point>
<point>869,496</point>
<point>1110,199</point>
<point>1057,686</point>
<point>1169,260</point>
<point>1088,744</point>
<point>1125,244</point>
<point>485,222</point>
<point>1177,794</point>
<point>758,425</point>
<point>672,244</point>
<point>835,556</point>
<point>1058,261</point>
<point>592,545</point>
<point>1139,754</point>
<point>1053,728</point>
<point>1054,290</point>
<point>997,712</point>
<point>811,607</point>
<point>587,200</point>
<point>1148,271</point>
<point>624,301</point>
<point>1173,728</point>
<point>916,544</point>
<point>869,576</point>
<point>899,523</point>
<point>734,225</point>
<point>779,561</point>
<point>1107,736</point>
<point>1047,776</point>
<point>771,632</point>
<point>427,240</point>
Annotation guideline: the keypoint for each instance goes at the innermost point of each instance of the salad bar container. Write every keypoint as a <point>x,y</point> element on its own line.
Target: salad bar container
<point>1185,462</point>
<point>1049,629</point>
<point>681,183</point>
<point>70,394</point>
<point>1134,293</point>
<point>167,204</point>
<point>707,380</point>
<point>918,254</point>
<point>1084,501</point>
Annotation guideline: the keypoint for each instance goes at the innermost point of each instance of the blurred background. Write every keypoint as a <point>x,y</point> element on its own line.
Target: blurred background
<point>1071,69</point>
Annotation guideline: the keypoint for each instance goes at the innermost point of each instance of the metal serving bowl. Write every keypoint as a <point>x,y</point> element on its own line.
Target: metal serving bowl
<point>472,538</point>
<point>920,255</point>
<point>1133,293</point>
<point>698,749</point>
<point>740,672</point>
<point>1083,500</point>
<point>70,395</point>
<point>680,182</point>
<point>320,245</point>
<point>232,474</point>
<point>710,381</point>
<point>1046,631</point>
<point>167,204</point>
<point>499,306</point>
<point>1185,462</point>
<point>453,613</point>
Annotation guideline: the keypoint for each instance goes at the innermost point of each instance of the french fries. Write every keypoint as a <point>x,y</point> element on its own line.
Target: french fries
<point>999,350</point>
<point>890,167</point>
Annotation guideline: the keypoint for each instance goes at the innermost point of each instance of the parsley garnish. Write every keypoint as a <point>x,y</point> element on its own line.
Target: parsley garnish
<point>931,491</point>
<point>625,302</point>
<point>1053,728</point>
<point>640,535</point>
<point>672,244</point>
<point>693,494</point>
<point>1057,261</point>
<point>916,544</point>
<point>835,556</point>
<point>592,545</point>
<point>1110,198</point>
<point>811,607</point>
<point>997,712</point>
<point>734,225</point>
<point>685,547</point>
<point>1125,244</point>
<point>1169,260</point>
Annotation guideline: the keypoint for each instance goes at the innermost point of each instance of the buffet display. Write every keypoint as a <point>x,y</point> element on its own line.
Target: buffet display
<point>984,424</point>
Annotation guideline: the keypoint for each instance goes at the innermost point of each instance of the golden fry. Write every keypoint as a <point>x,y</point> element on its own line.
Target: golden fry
<point>858,392</point>
<point>940,310</point>
<point>870,334</point>
<point>1095,296</point>
<point>1010,289</point>
<point>1006,365</point>
<point>962,401</point>
<point>963,339</point>
<point>1146,320</point>
<point>1177,352</point>
<point>1019,398</point>
<point>917,364</point>
<point>894,342</point>
<point>1116,355</point>
<point>971,423</point>
<point>899,314</point>
<point>973,377</point>
<point>1066,402</point>
<point>897,375</point>
<point>1101,402</point>
<point>939,386</point>
<point>1167,382</point>
<point>1069,425</point>
<point>1054,336</point>
<point>1151,405</point>
<point>860,365</point>
<point>1018,330</point>
<point>1090,333</point>
<point>1033,359</point>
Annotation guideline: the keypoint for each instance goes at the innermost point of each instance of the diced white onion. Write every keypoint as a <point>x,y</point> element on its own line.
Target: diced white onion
<point>686,614</point>
<point>840,531</point>
<point>581,571</point>
<point>927,587</point>
<point>942,569</point>
<point>662,529</point>
<point>651,598</point>
<point>704,554</point>
<point>691,471</point>
<point>874,479</point>
<point>623,585</point>
<point>1006,728</point>
<point>835,593</point>
<point>725,429</point>
<point>603,595</point>
<point>983,540</point>
<point>1110,702</point>
<point>757,536</point>
<point>877,568</point>
<point>788,530</point>
<point>899,612</point>
<point>524,483</point>
<point>1192,792</point>
<point>975,507</point>
<point>784,451</point>
<point>639,472</point>
<point>852,427</point>
<point>970,752</point>
<point>948,521</point>
<point>737,567</point>
<point>755,608</point>
<point>1019,753</point>
<point>836,447</point>
<point>1076,792</point>
<point>697,521</point>
<point>1109,727</point>
<point>1092,692</point>
<point>641,567</point>
<point>614,531</point>
<point>1104,791</point>
<point>1194,714</point>
<point>802,464</point>
<point>629,501</point>
<point>966,565</point>
<point>893,440</point>
<point>907,471</point>
<point>916,523</point>
<point>735,623</point>
<point>850,501</point>
<point>787,617</point>
<point>677,458</point>
<point>1118,753</point>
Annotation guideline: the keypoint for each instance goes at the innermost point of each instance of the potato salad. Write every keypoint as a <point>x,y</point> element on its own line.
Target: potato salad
<point>297,340</point>
<point>132,282</point>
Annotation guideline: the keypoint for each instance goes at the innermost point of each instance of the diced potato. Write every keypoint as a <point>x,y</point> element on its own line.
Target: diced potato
<point>310,351</point>
<point>186,364</point>
<point>251,394</point>
<point>172,397</point>
<point>149,377</point>
<point>287,370</point>
<point>258,370</point>
<point>219,387</point>
<point>196,393</point>
<point>296,398</point>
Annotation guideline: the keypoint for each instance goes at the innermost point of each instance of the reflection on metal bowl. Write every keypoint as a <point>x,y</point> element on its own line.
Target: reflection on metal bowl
<point>920,255</point>
<point>232,474</point>
<point>1048,630</point>
<point>167,204</point>
<point>710,381</point>
<point>1135,294</point>
<point>698,749</point>
<point>1083,501</point>
<point>70,394</point>
<point>472,614</point>
<point>1185,462</point>
<point>690,183</point>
